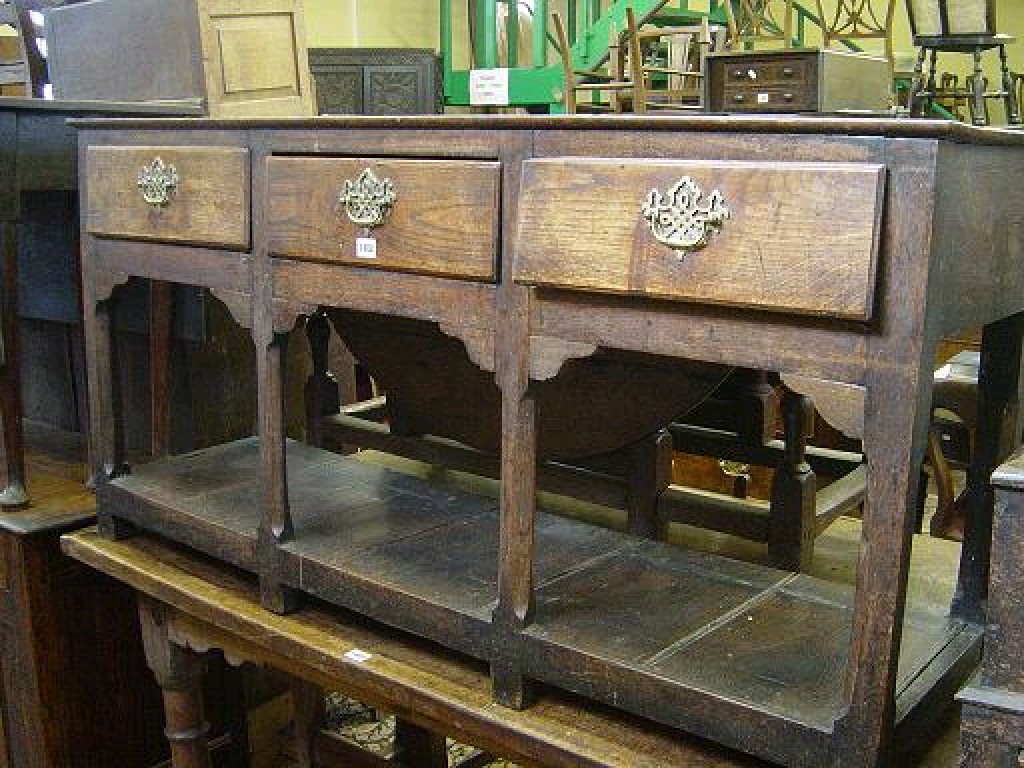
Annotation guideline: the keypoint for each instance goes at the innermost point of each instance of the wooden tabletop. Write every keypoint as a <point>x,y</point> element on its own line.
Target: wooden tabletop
<point>840,124</point>
<point>88,107</point>
<point>215,607</point>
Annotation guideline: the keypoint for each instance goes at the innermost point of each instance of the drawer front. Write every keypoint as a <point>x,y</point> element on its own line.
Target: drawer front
<point>792,72</point>
<point>436,217</point>
<point>197,195</point>
<point>791,237</point>
<point>769,99</point>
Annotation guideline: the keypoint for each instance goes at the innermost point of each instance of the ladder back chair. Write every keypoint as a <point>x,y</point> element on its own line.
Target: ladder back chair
<point>607,84</point>
<point>667,63</point>
<point>856,20</point>
<point>756,22</point>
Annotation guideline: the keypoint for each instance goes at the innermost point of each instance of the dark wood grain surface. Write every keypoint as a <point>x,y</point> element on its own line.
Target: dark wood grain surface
<point>845,671</point>
<point>444,220</point>
<point>797,238</point>
<point>416,680</point>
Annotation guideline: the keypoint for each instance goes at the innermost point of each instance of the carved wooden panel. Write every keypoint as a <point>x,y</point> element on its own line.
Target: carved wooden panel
<point>376,81</point>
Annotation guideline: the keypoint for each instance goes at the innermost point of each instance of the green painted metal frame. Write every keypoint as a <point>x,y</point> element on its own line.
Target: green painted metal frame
<point>540,85</point>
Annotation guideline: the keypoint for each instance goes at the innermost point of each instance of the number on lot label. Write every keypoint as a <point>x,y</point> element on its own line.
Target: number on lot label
<point>366,248</point>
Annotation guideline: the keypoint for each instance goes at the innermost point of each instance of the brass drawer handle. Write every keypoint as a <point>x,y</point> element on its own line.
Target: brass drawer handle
<point>788,72</point>
<point>367,200</point>
<point>159,183</point>
<point>680,218</point>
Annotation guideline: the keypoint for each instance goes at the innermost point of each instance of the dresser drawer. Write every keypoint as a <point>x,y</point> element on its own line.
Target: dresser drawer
<point>435,217</point>
<point>746,98</point>
<point>196,195</point>
<point>788,237</point>
<point>774,70</point>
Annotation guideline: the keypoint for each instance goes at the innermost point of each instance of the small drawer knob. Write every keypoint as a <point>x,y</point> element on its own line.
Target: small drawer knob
<point>787,97</point>
<point>787,72</point>
<point>738,98</point>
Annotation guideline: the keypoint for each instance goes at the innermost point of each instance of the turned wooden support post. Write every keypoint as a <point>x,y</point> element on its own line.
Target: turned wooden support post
<point>648,474</point>
<point>309,706</point>
<point>758,408</point>
<point>161,322</point>
<point>791,530</point>
<point>179,673</point>
<point>321,392</point>
<point>419,748</point>
<point>13,493</point>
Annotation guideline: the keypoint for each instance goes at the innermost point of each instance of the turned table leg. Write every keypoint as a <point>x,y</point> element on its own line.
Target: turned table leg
<point>792,528</point>
<point>179,673</point>
<point>322,395</point>
<point>309,717</point>
<point>418,747</point>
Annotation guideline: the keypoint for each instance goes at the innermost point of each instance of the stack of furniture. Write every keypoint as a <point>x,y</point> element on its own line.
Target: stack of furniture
<point>750,78</point>
<point>544,286</point>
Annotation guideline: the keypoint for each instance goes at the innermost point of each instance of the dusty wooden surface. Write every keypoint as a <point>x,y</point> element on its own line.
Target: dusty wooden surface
<point>583,228</point>
<point>530,336</point>
<point>211,206</point>
<point>209,606</point>
<point>444,220</point>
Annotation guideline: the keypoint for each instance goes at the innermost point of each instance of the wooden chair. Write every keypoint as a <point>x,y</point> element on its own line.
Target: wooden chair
<point>27,69</point>
<point>666,63</point>
<point>857,20</point>
<point>757,22</point>
<point>606,84</point>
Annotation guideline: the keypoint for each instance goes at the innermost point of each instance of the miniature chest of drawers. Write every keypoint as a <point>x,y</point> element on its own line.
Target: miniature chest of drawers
<point>797,80</point>
<point>819,247</point>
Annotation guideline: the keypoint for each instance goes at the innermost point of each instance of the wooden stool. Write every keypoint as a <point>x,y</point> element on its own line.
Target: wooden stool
<point>936,28</point>
<point>992,723</point>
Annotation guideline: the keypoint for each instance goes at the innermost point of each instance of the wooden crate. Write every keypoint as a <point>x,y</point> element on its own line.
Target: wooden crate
<point>243,59</point>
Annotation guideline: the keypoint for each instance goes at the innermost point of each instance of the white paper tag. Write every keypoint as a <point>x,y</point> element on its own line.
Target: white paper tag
<point>357,656</point>
<point>366,248</point>
<point>488,87</point>
<point>762,98</point>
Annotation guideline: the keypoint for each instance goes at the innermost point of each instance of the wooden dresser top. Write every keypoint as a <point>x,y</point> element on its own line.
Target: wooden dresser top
<point>774,124</point>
